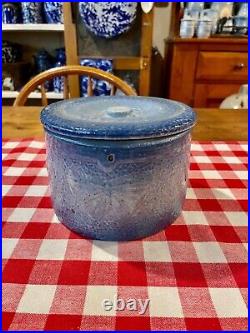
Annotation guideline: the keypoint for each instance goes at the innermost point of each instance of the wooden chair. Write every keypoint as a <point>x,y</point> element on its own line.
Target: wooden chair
<point>64,72</point>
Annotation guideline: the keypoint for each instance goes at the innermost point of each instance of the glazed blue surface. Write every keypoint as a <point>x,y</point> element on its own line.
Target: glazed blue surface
<point>99,117</point>
<point>108,19</point>
<point>8,53</point>
<point>100,87</point>
<point>11,52</point>
<point>42,61</point>
<point>10,13</point>
<point>53,12</point>
<point>32,12</point>
<point>58,82</point>
<point>118,190</point>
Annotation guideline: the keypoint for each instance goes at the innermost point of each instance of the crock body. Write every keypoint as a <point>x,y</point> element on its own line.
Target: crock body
<point>118,190</point>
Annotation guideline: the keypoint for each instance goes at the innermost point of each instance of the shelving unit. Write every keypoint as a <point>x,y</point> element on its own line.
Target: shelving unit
<point>69,35</point>
<point>140,63</point>
<point>35,95</point>
<point>33,27</point>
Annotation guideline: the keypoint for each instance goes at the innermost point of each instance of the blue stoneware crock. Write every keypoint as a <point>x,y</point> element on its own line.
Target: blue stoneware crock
<point>117,165</point>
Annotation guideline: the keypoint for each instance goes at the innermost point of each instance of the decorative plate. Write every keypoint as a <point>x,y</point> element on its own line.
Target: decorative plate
<point>108,19</point>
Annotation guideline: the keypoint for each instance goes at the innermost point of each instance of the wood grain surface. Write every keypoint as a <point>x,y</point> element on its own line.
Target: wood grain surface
<point>21,122</point>
<point>220,124</point>
<point>212,124</point>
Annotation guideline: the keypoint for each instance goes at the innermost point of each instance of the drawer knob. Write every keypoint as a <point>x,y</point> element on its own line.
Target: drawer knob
<point>239,65</point>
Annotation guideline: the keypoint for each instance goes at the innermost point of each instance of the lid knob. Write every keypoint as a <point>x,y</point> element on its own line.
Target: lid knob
<point>119,111</point>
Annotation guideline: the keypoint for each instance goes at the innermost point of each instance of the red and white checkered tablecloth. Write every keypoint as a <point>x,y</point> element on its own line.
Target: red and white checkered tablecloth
<point>194,273</point>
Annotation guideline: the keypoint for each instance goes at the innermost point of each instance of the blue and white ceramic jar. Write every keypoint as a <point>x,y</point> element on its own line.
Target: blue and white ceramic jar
<point>100,87</point>
<point>108,19</point>
<point>105,65</point>
<point>241,24</point>
<point>53,12</point>
<point>32,12</point>
<point>10,13</point>
<point>58,82</point>
<point>11,52</point>
<point>187,28</point>
<point>8,55</point>
<point>43,62</point>
<point>117,166</point>
<point>204,28</point>
<point>84,79</point>
<point>243,11</point>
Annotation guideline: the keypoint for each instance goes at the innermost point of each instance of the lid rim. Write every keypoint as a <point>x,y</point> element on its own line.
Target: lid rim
<point>179,117</point>
<point>122,138</point>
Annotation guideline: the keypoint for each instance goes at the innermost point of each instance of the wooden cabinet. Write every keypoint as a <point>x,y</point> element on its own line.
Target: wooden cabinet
<point>230,66</point>
<point>202,72</point>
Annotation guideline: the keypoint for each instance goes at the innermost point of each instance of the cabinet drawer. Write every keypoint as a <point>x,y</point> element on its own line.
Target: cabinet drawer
<point>228,66</point>
<point>210,95</point>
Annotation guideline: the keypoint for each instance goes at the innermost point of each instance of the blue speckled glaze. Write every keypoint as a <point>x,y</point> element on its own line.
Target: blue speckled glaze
<point>58,82</point>
<point>53,12</point>
<point>90,117</point>
<point>32,12</point>
<point>108,19</point>
<point>116,189</point>
<point>10,13</point>
<point>11,53</point>
<point>100,87</point>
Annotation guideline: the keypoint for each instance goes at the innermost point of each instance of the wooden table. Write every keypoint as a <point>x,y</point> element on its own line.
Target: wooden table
<point>212,124</point>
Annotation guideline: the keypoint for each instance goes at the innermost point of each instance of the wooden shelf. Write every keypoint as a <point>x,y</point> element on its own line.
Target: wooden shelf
<point>211,40</point>
<point>66,30</point>
<point>35,95</point>
<point>120,62</point>
<point>33,27</point>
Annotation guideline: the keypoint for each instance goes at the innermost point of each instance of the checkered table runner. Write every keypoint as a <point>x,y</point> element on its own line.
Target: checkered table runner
<point>194,273</point>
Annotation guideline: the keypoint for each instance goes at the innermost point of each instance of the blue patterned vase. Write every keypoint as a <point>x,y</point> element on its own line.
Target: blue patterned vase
<point>10,13</point>
<point>58,83</point>
<point>53,12</point>
<point>100,87</point>
<point>42,63</point>
<point>103,88</point>
<point>108,19</point>
<point>11,52</point>
<point>32,12</point>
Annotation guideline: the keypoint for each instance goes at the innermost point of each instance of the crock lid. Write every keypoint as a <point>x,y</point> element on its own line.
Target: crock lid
<point>117,117</point>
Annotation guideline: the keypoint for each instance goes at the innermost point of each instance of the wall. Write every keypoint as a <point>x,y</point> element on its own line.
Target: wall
<point>162,16</point>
